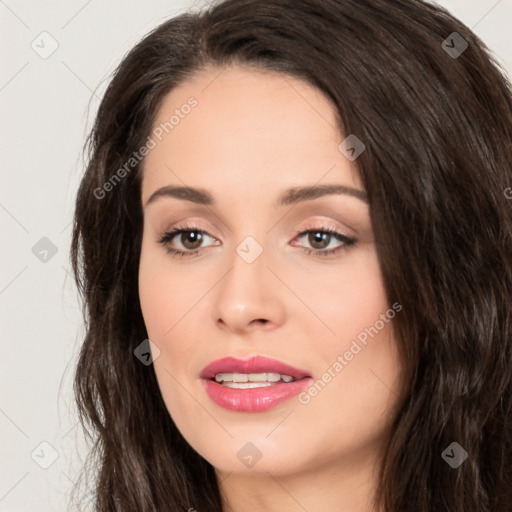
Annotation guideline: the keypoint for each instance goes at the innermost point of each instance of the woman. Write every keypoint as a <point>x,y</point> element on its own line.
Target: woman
<point>294,243</point>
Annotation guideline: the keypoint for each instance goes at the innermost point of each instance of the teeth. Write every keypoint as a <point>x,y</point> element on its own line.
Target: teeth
<point>241,378</point>
<point>226,377</point>
<point>247,385</point>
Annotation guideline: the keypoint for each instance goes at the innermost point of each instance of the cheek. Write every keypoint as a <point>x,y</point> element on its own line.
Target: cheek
<point>170,301</point>
<point>165,295</point>
<point>165,301</point>
<point>349,299</point>
<point>358,364</point>
<point>155,299</point>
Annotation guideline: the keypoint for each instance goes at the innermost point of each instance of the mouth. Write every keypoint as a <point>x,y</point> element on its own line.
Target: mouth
<point>252,385</point>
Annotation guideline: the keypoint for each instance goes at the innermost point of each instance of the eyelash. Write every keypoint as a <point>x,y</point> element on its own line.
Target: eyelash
<point>168,236</point>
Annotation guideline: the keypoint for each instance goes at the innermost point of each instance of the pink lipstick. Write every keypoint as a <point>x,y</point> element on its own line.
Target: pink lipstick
<point>255,384</point>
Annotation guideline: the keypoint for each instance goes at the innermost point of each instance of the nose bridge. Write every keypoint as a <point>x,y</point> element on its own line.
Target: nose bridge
<point>250,249</point>
<point>248,291</point>
<point>246,279</point>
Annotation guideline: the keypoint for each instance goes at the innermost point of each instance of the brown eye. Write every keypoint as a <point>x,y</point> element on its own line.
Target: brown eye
<point>187,241</point>
<point>191,239</point>
<point>319,239</point>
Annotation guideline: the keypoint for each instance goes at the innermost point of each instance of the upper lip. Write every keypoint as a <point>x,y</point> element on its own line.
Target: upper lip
<point>257,364</point>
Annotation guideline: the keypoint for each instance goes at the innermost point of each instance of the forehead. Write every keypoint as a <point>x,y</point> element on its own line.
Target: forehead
<point>246,127</point>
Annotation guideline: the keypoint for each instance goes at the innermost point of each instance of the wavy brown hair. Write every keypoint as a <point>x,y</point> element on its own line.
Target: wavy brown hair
<point>437,170</point>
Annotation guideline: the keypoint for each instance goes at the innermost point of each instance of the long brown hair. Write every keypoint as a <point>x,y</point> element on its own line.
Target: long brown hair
<point>435,115</point>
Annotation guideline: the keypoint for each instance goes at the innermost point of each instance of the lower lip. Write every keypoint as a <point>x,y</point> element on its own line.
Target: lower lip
<point>254,399</point>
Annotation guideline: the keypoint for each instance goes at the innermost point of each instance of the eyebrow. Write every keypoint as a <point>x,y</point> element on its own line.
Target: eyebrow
<point>291,196</point>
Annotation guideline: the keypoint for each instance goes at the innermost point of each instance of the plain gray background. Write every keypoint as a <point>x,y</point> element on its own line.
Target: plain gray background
<point>47,104</point>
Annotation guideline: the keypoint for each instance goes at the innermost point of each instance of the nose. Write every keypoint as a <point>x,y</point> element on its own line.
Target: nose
<point>248,297</point>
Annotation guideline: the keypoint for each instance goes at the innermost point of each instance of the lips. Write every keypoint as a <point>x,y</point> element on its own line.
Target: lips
<point>252,397</point>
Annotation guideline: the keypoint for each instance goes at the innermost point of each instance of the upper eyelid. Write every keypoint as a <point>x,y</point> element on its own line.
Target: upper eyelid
<point>338,214</point>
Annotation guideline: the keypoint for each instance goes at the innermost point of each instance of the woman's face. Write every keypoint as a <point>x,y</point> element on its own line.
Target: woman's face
<point>261,276</point>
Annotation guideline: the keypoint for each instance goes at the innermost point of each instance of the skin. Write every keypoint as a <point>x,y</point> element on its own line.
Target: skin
<point>251,136</point>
